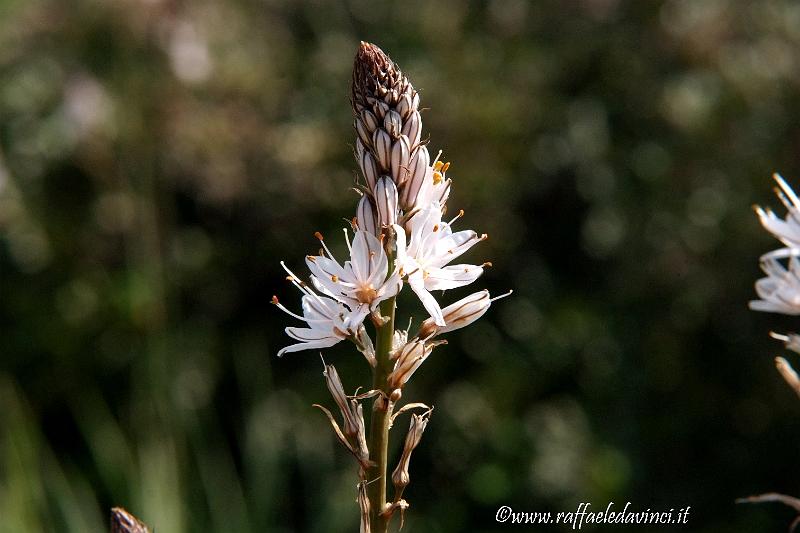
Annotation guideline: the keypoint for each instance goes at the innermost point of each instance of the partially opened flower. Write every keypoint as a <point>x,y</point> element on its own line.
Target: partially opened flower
<point>460,314</point>
<point>780,290</point>
<point>363,281</point>
<point>425,257</point>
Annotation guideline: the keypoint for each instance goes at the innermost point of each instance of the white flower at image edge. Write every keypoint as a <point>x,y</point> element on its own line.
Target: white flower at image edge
<point>361,283</point>
<point>430,247</point>
<point>787,230</point>
<point>328,320</point>
<point>780,290</point>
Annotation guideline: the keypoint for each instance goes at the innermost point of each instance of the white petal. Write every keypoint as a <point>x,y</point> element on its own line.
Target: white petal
<point>451,277</point>
<point>367,256</point>
<point>427,299</point>
<point>313,345</point>
<point>454,245</point>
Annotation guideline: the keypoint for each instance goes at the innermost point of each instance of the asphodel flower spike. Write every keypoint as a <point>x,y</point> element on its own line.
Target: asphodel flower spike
<point>398,236</point>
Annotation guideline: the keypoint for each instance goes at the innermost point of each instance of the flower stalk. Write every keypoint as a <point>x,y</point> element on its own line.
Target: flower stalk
<point>380,422</point>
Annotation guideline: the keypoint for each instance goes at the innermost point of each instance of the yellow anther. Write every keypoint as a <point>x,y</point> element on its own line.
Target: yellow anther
<point>436,227</point>
<point>446,166</point>
<point>438,165</point>
<point>318,235</point>
<point>334,278</point>
<point>437,178</point>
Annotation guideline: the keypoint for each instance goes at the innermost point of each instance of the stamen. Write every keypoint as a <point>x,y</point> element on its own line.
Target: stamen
<point>334,278</point>
<point>487,264</point>
<point>788,190</point>
<point>319,236</point>
<point>300,285</point>
<point>436,228</point>
<point>459,215</point>
<point>438,165</point>
<point>347,240</point>
<point>779,336</point>
<point>312,258</point>
<point>445,167</point>
<point>437,177</point>
<point>501,296</point>
<point>280,306</point>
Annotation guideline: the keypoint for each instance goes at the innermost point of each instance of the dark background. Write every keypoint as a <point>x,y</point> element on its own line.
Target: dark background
<point>159,158</point>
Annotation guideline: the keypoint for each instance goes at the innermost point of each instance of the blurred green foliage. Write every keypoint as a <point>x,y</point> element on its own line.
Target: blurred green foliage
<point>158,159</point>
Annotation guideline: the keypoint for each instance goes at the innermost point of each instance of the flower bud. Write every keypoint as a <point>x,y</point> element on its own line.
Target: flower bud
<point>401,155</point>
<point>367,217</point>
<point>336,389</point>
<point>363,133</point>
<point>369,168</point>
<point>380,109</point>
<point>386,201</point>
<point>364,507</point>
<point>460,314</point>
<point>412,128</point>
<point>369,120</point>
<point>382,143</point>
<point>404,106</point>
<point>400,476</point>
<point>393,123</point>
<point>360,149</point>
<point>418,170</point>
<point>409,358</point>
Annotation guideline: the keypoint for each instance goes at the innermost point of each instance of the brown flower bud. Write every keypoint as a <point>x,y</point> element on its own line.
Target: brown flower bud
<point>400,476</point>
<point>408,359</point>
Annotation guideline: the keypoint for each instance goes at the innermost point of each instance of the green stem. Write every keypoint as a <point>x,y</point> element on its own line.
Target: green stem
<point>379,423</point>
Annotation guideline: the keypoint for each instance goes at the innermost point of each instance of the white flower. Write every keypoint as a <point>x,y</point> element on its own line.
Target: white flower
<point>787,230</point>
<point>460,314</point>
<point>328,320</point>
<point>431,246</point>
<point>780,290</point>
<point>361,283</point>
